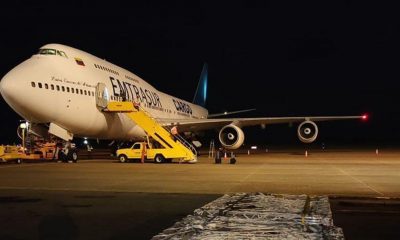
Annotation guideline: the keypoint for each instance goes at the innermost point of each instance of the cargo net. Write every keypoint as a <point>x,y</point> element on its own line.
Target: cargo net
<point>258,216</point>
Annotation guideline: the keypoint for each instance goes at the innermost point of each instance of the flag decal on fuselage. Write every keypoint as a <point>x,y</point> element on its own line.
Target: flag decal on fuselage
<point>79,61</point>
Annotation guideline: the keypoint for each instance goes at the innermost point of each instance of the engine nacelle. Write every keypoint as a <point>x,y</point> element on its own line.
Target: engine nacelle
<point>231,136</point>
<point>307,131</point>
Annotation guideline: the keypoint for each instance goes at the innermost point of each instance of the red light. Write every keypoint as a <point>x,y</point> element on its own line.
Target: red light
<point>364,117</point>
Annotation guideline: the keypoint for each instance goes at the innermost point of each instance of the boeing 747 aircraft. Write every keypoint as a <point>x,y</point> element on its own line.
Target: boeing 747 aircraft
<point>62,90</point>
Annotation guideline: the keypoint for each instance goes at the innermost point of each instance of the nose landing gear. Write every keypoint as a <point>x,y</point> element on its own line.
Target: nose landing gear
<point>68,153</point>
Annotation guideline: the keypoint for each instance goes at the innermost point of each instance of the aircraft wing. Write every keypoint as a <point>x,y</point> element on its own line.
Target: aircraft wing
<point>203,124</point>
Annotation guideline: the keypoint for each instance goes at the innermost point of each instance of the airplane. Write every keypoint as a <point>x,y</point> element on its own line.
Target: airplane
<point>61,90</point>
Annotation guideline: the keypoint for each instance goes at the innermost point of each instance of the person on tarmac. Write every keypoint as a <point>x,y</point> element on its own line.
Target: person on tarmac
<point>174,132</point>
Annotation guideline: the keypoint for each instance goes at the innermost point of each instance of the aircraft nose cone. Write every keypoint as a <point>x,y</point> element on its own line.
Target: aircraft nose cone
<point>4,87</point>
<point>8,88</point>
<point>15,93</point>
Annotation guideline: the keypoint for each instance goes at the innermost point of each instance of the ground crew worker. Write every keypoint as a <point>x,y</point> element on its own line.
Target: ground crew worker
<point>174,132</point>
<point>136,105</point>
<point>89,149</point>
<point>233,159</point>
<point>218,156</point>
<point>143,152</point>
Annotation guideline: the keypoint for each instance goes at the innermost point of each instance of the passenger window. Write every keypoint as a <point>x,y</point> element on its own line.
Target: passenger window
<point>63,88</point>
<point>58,88</point>
<point>52,87</point>
<point>72,90</point>
<point>67,89</point>
<point>77,91</point>
<point>81,92</point>
<point>40,85</point>
<point>85,92</point>
<point>46,86</point>
<point>33,84</point>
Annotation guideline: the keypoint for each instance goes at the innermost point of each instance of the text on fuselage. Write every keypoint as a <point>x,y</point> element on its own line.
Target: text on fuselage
<point>182,107</point>
<point>132,92</point>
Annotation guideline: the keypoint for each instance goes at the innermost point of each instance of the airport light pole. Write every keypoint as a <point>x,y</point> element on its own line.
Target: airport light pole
<point>23,127</point>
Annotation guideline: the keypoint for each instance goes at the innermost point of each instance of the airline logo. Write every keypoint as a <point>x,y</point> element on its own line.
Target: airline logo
<point>135,92</point>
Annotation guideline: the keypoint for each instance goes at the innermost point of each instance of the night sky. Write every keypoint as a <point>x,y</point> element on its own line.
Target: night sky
<point>284,59</point>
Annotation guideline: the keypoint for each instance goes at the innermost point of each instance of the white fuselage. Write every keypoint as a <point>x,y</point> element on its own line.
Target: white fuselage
<point>61,89</point>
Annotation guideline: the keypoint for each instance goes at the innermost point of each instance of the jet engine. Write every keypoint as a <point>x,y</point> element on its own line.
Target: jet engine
<point>231,136</point>
<point>307,131</point>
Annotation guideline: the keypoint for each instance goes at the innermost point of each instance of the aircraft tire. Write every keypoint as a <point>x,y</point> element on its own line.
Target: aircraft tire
<point>74,157</point>
<point>62,157</point>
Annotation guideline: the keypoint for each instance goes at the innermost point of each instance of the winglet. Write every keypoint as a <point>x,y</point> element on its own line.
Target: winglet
<point>200,96</point>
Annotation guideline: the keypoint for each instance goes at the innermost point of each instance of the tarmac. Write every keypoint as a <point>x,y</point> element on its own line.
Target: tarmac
<point>321,173</point>
<point>105,199</point>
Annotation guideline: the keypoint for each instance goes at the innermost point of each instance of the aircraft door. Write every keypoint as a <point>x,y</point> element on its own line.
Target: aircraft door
<point>102,96</point>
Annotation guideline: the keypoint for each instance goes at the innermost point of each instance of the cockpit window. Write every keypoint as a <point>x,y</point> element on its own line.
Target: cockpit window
<point>62,54</point>
<point>49,51</point>
<point>46,51</point>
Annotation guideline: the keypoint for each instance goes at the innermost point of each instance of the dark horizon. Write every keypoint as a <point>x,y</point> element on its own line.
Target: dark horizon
<point>294,59</point>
